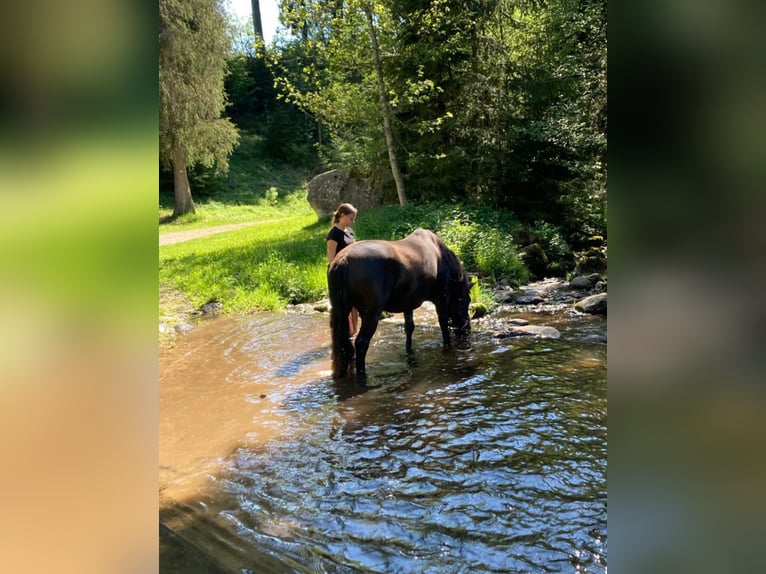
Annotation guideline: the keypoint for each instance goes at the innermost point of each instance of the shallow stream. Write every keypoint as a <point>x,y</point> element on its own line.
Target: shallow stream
<point>487,460</point>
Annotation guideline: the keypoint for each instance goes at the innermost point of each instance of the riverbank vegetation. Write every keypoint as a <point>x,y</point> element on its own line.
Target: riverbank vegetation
<point>281,258</point>
<point>501,105</point>
<point>499,128</point>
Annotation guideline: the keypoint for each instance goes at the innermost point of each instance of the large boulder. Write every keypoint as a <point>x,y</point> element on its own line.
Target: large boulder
<point>594,304</point>
<point>331,188</point>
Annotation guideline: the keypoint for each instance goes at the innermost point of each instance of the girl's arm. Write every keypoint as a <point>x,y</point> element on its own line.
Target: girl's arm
<point>332,249</point>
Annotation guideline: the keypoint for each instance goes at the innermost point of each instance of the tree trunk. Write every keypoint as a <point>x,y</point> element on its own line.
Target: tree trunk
<point>385,110</point>
<point>183,198</point>
<point>257,23</point>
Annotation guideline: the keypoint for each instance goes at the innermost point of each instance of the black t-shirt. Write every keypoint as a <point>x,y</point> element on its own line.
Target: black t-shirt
<point>343,239</point>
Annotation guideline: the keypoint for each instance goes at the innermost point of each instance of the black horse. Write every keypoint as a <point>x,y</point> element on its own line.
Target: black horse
<point>394,276</point>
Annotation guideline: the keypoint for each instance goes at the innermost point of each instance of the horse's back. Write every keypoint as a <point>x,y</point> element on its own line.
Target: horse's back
<point>419,251</point>
<point>394,276</point>
<point>374,270</point>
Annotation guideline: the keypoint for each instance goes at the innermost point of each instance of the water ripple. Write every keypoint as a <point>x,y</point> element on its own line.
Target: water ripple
<point>487,462</point>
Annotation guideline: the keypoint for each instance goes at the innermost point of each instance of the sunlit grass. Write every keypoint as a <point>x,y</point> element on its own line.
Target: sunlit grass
<point>262,267</point>
<point>282,261</point>
<point>212,212</point>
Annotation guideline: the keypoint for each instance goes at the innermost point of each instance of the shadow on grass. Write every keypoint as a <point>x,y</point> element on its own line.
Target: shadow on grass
<point>252,173</point>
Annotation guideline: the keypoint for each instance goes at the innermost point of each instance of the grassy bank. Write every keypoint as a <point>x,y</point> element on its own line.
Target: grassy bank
<point>258,187</point>
<point>275,263</point>
<point>262,267</point>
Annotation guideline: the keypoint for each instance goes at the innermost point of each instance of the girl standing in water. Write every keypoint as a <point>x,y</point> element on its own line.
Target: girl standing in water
<point>341,235</point>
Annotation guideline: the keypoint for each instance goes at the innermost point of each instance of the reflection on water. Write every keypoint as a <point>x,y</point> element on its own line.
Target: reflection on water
<point>488,460</point>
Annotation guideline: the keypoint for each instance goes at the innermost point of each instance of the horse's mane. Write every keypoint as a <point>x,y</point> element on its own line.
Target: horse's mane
<point>456,272</point>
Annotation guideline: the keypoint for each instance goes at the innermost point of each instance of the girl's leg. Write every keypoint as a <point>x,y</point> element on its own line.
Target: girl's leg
<point>353,321</point>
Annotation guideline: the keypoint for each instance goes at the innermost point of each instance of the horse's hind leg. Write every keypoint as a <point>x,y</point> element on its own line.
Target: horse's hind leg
<point>362,343</point>
<point>409,328</point>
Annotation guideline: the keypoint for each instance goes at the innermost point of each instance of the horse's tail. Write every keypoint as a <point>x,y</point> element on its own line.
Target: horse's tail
<point>340,301</point>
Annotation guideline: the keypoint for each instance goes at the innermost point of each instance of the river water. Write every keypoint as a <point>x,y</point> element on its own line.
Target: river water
<point>486,460</point>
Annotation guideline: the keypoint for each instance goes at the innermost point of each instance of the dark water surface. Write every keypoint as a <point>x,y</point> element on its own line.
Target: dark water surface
<point>488,460</point>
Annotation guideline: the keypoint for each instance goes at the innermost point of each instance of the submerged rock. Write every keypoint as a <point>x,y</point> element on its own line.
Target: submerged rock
<point>540,331</point>
<point>529,298</point>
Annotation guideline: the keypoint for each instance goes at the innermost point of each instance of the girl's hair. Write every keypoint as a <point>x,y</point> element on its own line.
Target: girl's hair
<point>343,209</point>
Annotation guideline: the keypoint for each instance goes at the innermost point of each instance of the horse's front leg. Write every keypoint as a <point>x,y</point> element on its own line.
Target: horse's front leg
<point>409,328</point>
<point>362,343</point>
<point>441,312</point>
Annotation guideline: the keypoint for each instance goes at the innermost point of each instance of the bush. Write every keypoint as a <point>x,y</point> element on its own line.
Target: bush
<point>482,300</point>
<point>481,237</point>
<point>496,256</point>
<point>552,240</point>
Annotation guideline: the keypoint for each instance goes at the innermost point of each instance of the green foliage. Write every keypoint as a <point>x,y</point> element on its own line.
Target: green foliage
<point>481,237</point>
<point>482,300</point>
<point>279,259</point>
<point>272,195</point>
<point>248,91</point>
<point>327,71</point>
<point>289,133</point>
<point>282,260</point>
<point>254,170</point>
<point>293,283</point>
<point>257,187</point>
<point>552,240</point>
<point>499,103</point>
<point>496,256</point>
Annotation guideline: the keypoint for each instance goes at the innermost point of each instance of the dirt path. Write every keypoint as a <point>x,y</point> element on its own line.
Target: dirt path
<point>178,236</point>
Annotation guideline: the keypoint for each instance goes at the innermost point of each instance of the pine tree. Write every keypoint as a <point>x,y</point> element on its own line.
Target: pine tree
<point>194,45</point>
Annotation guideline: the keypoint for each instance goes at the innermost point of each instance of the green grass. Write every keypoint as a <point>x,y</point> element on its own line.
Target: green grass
<point>274,263</point>
<point>262,267</point>
<point>212,212</point>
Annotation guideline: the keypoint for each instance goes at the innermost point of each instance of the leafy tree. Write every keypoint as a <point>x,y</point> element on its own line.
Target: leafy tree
<point>436,69</point>
<point>194,45</point>
<point>334,70</point>
<point>257,24</point>
<point>252,103</point>
<point>499,103</point>
<point>556,125</point>
<point>385,106</point>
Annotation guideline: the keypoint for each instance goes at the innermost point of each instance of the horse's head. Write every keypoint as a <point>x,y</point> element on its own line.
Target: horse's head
<point>460,299</point>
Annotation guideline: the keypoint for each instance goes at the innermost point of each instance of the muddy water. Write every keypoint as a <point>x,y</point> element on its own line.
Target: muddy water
<point>488,460</point>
